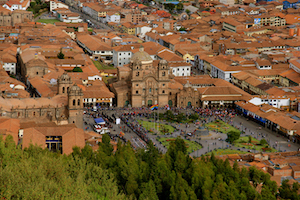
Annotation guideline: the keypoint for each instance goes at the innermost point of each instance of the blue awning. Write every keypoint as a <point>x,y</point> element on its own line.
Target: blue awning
<point>99,120</point>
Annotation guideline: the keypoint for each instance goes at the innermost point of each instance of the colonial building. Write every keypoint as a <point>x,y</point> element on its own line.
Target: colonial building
<point>11,18</point>
<point>146,82</point>
<point>64,108</point>
<point>143,83</point>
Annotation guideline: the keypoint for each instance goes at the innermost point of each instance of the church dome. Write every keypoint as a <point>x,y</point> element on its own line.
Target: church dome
<point>141,56</point>
<point>65,77</point>
<point>75,88</point>
<point>163,62</point>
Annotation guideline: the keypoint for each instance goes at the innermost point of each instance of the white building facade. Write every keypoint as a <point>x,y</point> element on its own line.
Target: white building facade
<point>276,102</point>
<point>56,4</point>
<point>121,58</point>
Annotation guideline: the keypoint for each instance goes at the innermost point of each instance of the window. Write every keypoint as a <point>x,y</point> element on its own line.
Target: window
<point>164,84</point>
<point>129,54</point>
<point>78,102</point>
<point>187,69</point>
<point>119,63</point>
<point>119,54</point>
<point>74,102</point>
<point>138,73</point>
<point>150,89</point>
<point>63,90</point>
<point>137,85</point>
<point>163,91</point>
<point>137,92</point>
<point>37,73</point>
<point>177,69</point>
<point>164,74</point>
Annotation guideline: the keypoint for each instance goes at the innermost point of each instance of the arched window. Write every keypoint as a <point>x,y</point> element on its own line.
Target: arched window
<point>67,89</point>
<point>63,90</point>
<point>78,102</point>
<point>163,91</point>
<point>74,102</point>
<point>34,114</point>
<point>164,73</point>
<point>138,73</point>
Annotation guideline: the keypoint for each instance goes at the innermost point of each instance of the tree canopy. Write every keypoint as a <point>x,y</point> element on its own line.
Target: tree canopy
<point>35,173</point>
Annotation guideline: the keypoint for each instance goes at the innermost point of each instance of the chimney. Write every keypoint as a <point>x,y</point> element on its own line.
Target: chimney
<point>291,32</point>
<point>298,31</point>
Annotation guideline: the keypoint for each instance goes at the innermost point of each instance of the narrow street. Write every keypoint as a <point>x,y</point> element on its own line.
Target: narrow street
<point>96,23</point>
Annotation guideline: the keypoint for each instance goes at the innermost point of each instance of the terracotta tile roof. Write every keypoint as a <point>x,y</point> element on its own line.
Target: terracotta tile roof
<point>42,86</point>
<point>9,126</point>
<point>58,100</point>
<point>93,43</point>
<point>291,75</point>
<point>173,84</point>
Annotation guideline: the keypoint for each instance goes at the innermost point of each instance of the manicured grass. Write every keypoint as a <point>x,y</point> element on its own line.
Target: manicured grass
<point>90,29</point>
<point>243,142</point>
<point>159,127</point>
<point>105,78</point>
<point>101,65</point>
<point>191,145</point>
<point>48,21</point>
<point>226,152</point>
<point>221,127</point>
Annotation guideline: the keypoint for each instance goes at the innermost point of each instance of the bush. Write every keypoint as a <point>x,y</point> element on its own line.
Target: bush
<point>232,136</point>
<point>263,142</point>
<point>77,69</point>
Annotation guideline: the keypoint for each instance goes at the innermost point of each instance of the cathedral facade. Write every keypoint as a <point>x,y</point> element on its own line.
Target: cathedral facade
<point>143,83</point>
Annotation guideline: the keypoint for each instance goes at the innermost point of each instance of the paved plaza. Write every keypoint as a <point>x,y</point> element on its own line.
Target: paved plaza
<point>213,141</point>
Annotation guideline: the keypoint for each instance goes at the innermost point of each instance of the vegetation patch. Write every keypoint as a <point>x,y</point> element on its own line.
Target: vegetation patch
<point>226,152</point>
<point>248,142</point>
<point>169,116</point>
<point>161,128</point>
<point>48,21</point>
<point>190,145</point>
<point>101,65</point>
<point>221,126</point>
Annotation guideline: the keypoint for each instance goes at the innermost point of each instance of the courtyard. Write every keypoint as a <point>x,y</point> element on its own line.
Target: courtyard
<point>191,145</point>
<point>48,21</point>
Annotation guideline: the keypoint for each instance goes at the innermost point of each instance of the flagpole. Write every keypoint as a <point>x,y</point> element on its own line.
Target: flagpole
<point>157,117</point>
<point>154,121</point>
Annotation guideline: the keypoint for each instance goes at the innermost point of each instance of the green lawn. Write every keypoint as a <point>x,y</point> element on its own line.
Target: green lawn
<point>90,29</point>
<point>159,127</point>
<point>102,66</point>
<point>48,21</point>
<point>220,126</point>
<point>105,78</point>
<point>243,142</point>
<point>226,152</point>
<point>191,145</point>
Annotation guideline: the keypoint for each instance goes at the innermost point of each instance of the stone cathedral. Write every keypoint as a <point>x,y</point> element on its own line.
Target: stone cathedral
<point>143,82</point>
